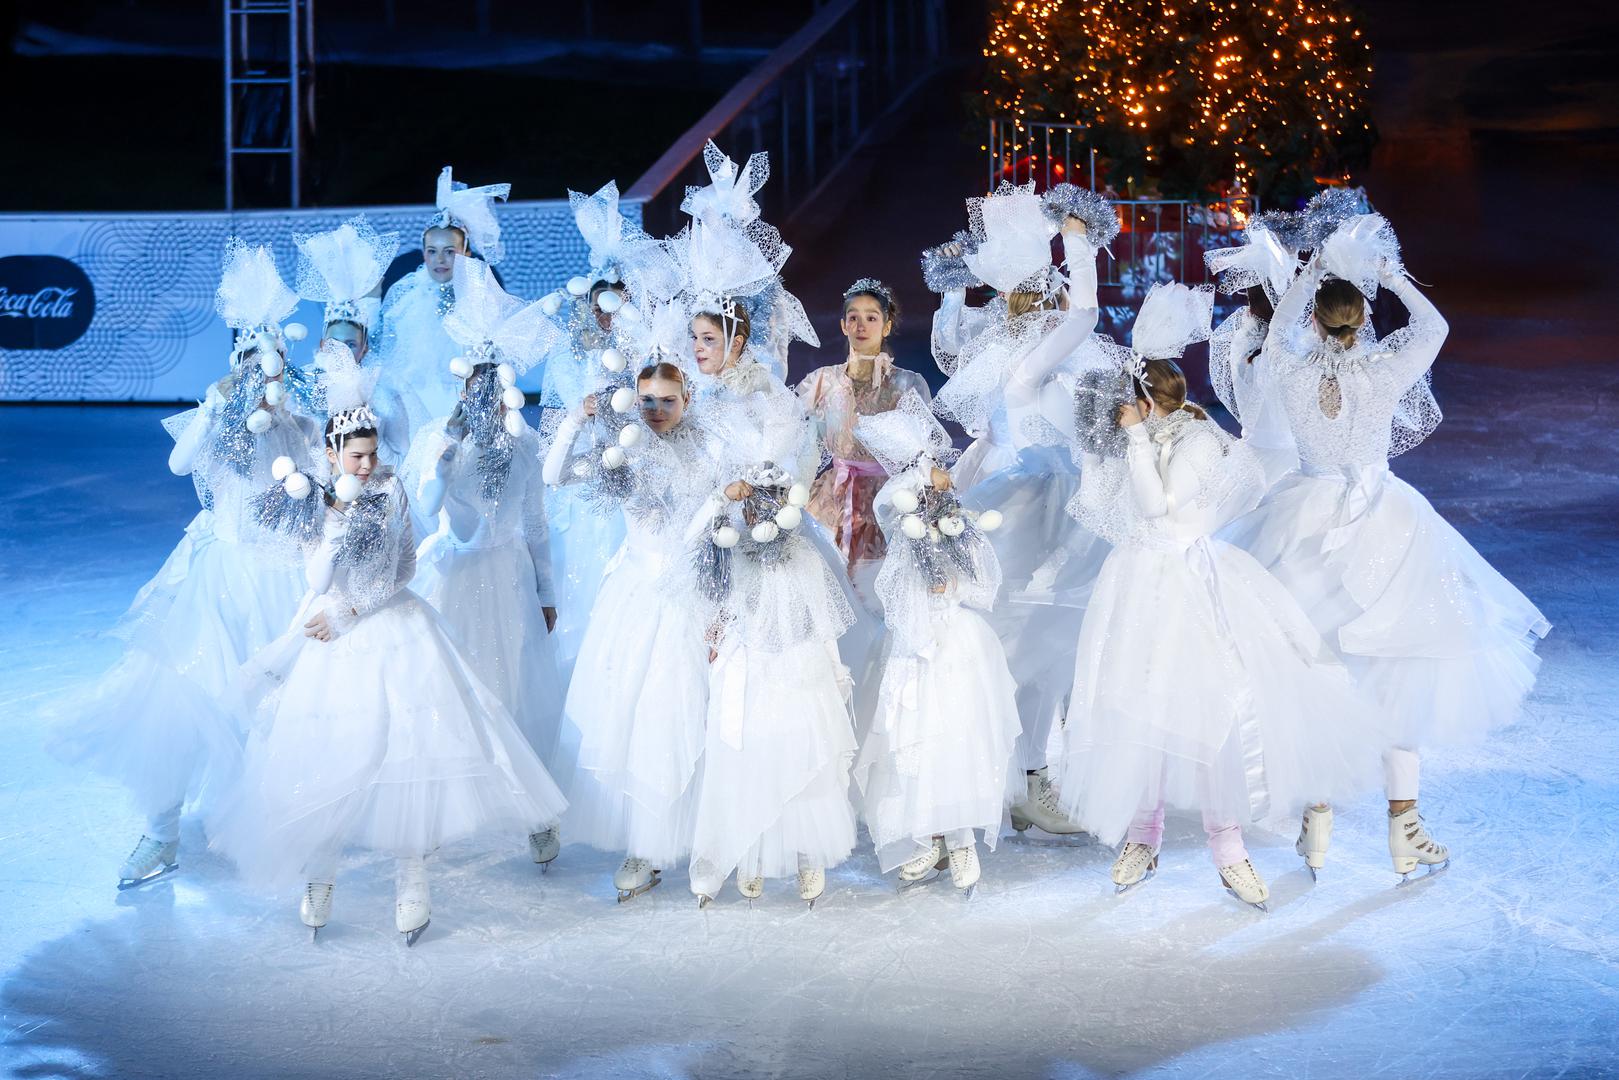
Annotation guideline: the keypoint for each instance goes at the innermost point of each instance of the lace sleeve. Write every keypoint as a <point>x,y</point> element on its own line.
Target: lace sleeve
<point>1029,375</point>
<point>946,337</point>
<point>1411,350</point>
<point>1080,257</point>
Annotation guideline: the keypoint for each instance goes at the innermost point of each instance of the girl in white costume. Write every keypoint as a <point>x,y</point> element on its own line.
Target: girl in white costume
<point>156,720</point>
<point>1436,635</point>
<point>774,796</point>
<point>602,313</point>
<point>937,762</point>
<point>344,268</point>
<point>487,568</point>
<point>1011,386</point>
<point>416,352</point>
<point>370,729</point>
<point>1199,683</point>
<point>639,692</point>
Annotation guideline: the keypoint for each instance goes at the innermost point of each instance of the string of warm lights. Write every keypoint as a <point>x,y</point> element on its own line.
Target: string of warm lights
<point>1190,92</point>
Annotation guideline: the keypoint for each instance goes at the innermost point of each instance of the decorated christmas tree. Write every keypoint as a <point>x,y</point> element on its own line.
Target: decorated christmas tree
<point>1188,97</point>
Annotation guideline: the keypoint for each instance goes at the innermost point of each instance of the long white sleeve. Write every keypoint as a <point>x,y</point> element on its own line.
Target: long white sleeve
<point>537,533</point>
<point>560,455</point>
<point>1415,346</point>
<point>183,458</point>
<point>319,567</point>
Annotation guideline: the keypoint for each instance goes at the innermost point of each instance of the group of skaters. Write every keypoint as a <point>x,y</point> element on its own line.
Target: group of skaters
<point>696,615</point>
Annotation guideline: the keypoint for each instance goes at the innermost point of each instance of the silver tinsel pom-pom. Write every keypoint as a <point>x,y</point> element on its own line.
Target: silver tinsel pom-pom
<point>1063,201</point>
<point>943,271</point>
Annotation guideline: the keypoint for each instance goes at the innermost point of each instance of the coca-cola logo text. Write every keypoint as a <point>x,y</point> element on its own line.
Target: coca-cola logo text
<point>46,302</point>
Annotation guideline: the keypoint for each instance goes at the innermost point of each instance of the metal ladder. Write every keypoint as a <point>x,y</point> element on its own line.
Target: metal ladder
<point>269,92</point>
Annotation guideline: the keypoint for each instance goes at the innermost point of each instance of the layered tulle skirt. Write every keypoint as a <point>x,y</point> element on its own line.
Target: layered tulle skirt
<point>638,698</point>
<point>939,756</point>
<point>1049,565</point>
<point>1434,633</point>
<point>582,540</point>
<point>155,721</point>
<point>1200,684</point>
<point>382,739</point>
<point>776,770</point>
<point>488,597</point>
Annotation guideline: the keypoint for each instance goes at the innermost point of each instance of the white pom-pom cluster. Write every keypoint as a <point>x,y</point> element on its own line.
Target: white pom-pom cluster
<point>506,374</point>
<point>581,468</point>
<point>798,495</point>
<point>551,303</point>
<point>282,467</point>
<point>789,517</point>
<point>271,361</point>
<point>610,301</point>
<point>765,532</point>
<point>578,286</point>
<point>461,368</point>
<point>613,360</point>
<point>904,501</point>
<point>259,421</point>
<point>630,313</point>
<point>513,398</point>
<point>913,526</point>
<point>623,400</point>
<point>629,436</point>
<point>295,331</point>
<point>297,485</point>
<point>726,536</point>
<point>274,394</point>
<point>613,457</point>
<point>348,487</point>
<point>514,423</point>
<point>990,520</point>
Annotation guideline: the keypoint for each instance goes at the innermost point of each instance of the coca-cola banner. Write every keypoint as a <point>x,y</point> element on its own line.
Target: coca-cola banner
<point>121,307</point>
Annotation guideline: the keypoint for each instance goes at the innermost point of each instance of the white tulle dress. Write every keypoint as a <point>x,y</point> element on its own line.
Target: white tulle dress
<point>639,691</point>
<point>414,349</point>
<point>1442,641</point>
<point>939,756</point>
<point>1198,683</point>
<point>780,738</point>
<point>383,739</point>
<point>487,571</point>
<point>156,721</point>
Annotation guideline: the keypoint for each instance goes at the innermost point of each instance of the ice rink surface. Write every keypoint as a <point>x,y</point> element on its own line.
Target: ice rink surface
<point>1505,966</point>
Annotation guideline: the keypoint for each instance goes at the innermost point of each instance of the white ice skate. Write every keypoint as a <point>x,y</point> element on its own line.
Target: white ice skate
<point>752,888</point>
<point>412,906</point>
<point>1410,846</point>
<point>544,846</point>
<point>315,909</point>
<point>150,860</point>
<point>811,881</point>
<point>964,869</point>
<point>1315,833</point>
<point>635,877</point>
<point>1134,866</point>
<point>1041,809</point>
<point>1243,882</point>
<point>925,867</point>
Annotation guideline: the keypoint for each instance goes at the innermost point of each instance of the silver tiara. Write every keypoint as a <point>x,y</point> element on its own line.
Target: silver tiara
<point>347,422</point>
<point>873,286</point>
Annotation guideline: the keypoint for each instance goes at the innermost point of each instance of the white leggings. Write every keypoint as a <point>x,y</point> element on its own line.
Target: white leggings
<point>1402,770</point>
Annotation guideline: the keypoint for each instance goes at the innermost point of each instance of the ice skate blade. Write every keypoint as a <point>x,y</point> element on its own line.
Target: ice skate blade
<point>125,884</point>
<point>1314,877</point>
<point>1434,870</point>
<point>1260,905</point>
<point>1120,890</point>
<point>314,934</point>
<point>412,935</point>
<point>929,878</point>
<point>703,900</point>
<point>631,894</point>
<point>969,892</point>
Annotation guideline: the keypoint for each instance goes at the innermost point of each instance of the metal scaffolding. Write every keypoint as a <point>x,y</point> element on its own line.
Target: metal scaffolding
<point>269,97</point>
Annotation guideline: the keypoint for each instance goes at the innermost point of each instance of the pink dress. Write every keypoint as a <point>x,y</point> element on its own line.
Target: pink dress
<point>841,496</point>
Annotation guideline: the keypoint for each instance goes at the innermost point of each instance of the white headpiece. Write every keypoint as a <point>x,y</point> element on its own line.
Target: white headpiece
<point>347,386</point>
<point>729,194</point>
<point>620,252</point>
<point>493,325</point>
<point>1359,250</point>
<point>472,210</point>
<point>252,298</point>
<point>1013,240</point>
<point>342,267</point>
<point>1171,317</point>
<point>1261,260</point>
